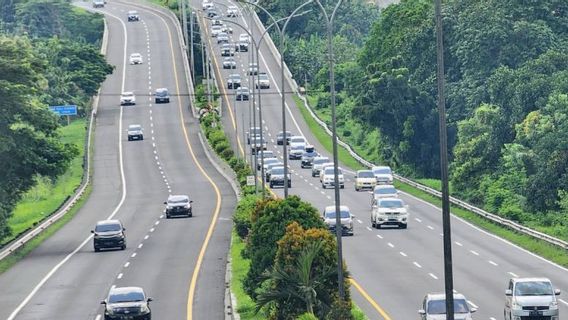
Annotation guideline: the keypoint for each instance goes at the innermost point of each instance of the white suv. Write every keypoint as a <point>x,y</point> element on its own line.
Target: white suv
<point>434,307</point>
<point>330,219</point>
<point>127,98</point>
<point>383,174</point>
<point>531,298</point>
<point>389,211</point>
<point>328,177</point>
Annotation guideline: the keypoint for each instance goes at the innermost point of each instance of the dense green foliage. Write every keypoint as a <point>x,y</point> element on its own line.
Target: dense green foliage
<point>48,56</point>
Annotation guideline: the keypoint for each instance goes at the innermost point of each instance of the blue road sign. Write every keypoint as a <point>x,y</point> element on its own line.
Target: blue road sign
<point>70,110</point>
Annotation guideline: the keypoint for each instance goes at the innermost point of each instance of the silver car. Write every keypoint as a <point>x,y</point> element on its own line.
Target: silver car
<point>317,164</point>
<point>531,298</point>
<point>434,307</point>
<point>330,219</point>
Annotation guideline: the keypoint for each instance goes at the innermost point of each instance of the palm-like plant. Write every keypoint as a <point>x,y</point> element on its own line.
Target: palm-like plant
<point>304,284</point>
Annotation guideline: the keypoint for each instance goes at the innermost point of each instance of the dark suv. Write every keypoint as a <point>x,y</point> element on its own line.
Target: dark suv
<point>162,95</point>
<point>127,303</point>
<point>179,205</point>
<point>109,234</point>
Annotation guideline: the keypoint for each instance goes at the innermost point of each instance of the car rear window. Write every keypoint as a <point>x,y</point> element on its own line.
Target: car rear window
<point>391,203</point>
<point>385,191</point>
<point>126,297</point>
<point>344,214</point>
<point>382,171</point>
<point>108,227</point>
<point>365,174</point>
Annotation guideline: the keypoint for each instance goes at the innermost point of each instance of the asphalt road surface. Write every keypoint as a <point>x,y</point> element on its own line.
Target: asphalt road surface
<point>64,278</point>
<point>393,268</point>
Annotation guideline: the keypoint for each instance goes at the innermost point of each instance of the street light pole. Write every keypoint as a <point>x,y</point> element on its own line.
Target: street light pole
<point>448,272</point>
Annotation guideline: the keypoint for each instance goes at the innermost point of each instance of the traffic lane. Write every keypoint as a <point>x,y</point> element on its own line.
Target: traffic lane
<point>19,281</point>
<point>186,178</point>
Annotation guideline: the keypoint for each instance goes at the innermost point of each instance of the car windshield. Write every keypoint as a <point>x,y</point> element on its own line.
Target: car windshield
<point>135,55</point>
<point>262,77</point>
<point>132,13</point>
<point>330,171</point>
<point>391,203</point>
<point>321,160</point>
<point>162,93</point>
<point>126,297</point>
<point>533,288</point>
<point>277,170</point>
<point>297,147</point>
<point>181,200</point>
<point>128,94</point>
<point>267,154</point>
<point>134,127</point>
<point>365,174</point>
<point>297,140</point>
<point>382,171</point>
<point>439,306</point>
<point>389,190</point>
<point>344,214</point>
<point>270,160</point>
<point>108,227</point>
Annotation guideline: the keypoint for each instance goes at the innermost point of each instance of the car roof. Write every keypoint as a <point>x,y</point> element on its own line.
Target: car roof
<point>178,197</point>
<point>380,167</point>
<point>161,89</point>
<point>127,93</point>
<point>540,279</point>
<point>360,171</point>
<point>442,296</point>
<point>108,222</point>
<point>132,12</point>
<point>119,290</point>
<point>332,208</point>
<point>134,125</point>
<point>390,199</point>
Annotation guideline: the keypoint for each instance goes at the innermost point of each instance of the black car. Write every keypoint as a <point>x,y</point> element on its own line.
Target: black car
<point>308,156</point>
<point>178,206</point>
<point>162,95</point>
<point>280,137</point>
<point>109,234</point>
<point>127,303</point>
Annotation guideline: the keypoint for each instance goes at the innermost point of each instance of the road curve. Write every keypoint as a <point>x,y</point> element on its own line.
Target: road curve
<point>63,278</point>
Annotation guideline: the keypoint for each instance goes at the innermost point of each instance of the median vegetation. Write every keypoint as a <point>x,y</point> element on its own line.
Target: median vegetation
<point>49,55</point>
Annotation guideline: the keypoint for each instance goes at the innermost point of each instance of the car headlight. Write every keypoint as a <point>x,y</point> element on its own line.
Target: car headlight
<point>144,308</point>
<point>187,206</point>
<point>110,311</point>
<point>515,305</point>
<point>553,305</point>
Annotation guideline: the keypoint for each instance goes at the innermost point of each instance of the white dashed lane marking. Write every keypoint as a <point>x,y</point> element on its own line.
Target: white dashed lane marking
<point>513,274</point>
<point>126,264</point>
<point>493,263</point>
<point>459,244</point>
<point>390,245</point>
<point>474,252</point>
<point>119,276</point>
<point>433,276</point>
<point>379,236</point>
<point>417,264</point>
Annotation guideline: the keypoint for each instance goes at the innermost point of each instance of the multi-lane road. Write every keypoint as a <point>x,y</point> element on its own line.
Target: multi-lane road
<point>392,269</point>
<point>64,278</point>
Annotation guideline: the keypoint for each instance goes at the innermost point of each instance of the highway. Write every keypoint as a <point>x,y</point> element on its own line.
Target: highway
<point>180,263</point>
<point>393,268</point>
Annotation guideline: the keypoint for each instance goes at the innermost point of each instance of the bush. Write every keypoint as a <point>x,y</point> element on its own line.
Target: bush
<point>307,316</point>
<point>269,223</point>
<point>221,146</point>
<point>227,153</point>
<point>243,213</point>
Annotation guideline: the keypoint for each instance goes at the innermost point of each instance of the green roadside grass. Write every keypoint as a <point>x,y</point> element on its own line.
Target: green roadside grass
<point>324,139</point>
<point>239,268</point>
<point>47,196</point>
<point>539,247</point>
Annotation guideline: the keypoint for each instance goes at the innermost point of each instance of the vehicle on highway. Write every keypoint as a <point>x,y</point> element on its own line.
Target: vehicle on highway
<point>262,81</point>
<point>389,212</point>
<point>135,132</point>
<point>135,58</point>
<point>253,69</point>
<point>205,5</point>
<point>226,29</point>
<point>232,11</point>
<point>178,205</point>
<point>124,303</point>
<point>216,22</point>
<point>317,164</point>
<point>329,217</point>
<point>252,133</point>
<point>328,177</point>
<point>268,170</point>
<point>244,37</point>
<point>162,96</point>
<point>308,156</point>
<point>383,191</point>
<point>257,144</point>
<point>242,94</point>
<point>434,307</point>
<point>280,137</point>
<point>383,174</point>
<point>212,13</point>
<point>127,98</point>
<point>234,81</point>
<point>265,153</point>
<point>241,46</point>
<point>298,140</point>
<point>227,50</point>
<point>277,177</point>
<point>229,63</point>
<point>531,298</point>
<point>365,179</point>
<point>295,151</point>
<point>109,234</point>
<point>222,37</point>
<point>133,15</point>
<point>98,3</point>
<point>266,161</point>
<point>215,30</point>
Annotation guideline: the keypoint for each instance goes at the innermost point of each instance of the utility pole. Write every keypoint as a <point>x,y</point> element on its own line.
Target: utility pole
<point>191,22</point>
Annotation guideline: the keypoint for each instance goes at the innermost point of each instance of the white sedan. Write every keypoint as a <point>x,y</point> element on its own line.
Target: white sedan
<point>127,98</point>
<point>135,58</point>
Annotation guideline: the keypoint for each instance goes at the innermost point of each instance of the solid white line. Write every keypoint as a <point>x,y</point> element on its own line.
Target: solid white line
<point>115,211</point>
<point>433,276</point>
<point>98,317</point>
<point>566,303</point>
<point>493,263</point>
<point>513,275</point>
<point>119,276</point>
<point>474,252</point>
<point>417,264</point>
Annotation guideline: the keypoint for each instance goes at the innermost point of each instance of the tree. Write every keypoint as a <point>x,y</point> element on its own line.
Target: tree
<point>269,223</point>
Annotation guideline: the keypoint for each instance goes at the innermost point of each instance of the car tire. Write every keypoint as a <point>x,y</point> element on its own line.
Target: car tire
<point>313,175</point>
<point>167,215</point>
<point>323,186</point>
<point>356,189</point>
<point>403,226</point>
<point>141,138</point>
<point>342,186</point>
<point>289,184</point>
<point>190,214</point>
<point>378,226</point>
<point>97,249</point>
<point>373,224</point>
<point>123,247</point>
<point>129,139</point>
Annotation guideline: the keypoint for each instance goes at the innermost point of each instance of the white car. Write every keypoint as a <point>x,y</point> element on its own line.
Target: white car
<point>531,298</point>
<point>215,30</point>
<point>262,81</point>
<point>364,179</point>
<point>244,37</point>
<point>434,307</point>
<point>330,219</point>
<point>207,5</point>
<point>135,58</point>
<point>297,139</point>
<point>127,98</point>
<point>328,177</point>
<point>226,29</point>
<point>383,191</point>
<point>317,164</point>
<point>383,174</point>
<point>232,11</point>
<point>296,150</point>
<point>389,211</point>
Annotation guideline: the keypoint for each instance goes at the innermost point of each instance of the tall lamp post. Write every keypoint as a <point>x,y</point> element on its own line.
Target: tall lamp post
<point>281,33</point>
<point>448,272</point>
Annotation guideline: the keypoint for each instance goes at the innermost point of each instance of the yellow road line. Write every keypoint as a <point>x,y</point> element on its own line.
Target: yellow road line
<point>369,299</point>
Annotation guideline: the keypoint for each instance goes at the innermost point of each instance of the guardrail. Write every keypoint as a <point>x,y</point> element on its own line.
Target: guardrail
<point>490,216</point>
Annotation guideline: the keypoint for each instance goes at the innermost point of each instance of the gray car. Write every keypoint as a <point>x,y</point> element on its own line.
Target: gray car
<point>135,132</point>
<point>127,303</point>
<point>434,307</point>
<point>178,205</point>
<point>317,164</point>
<point>531,298</point>
<point>330,219</point>
<point>109,234</point>
<point>277,177</point>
